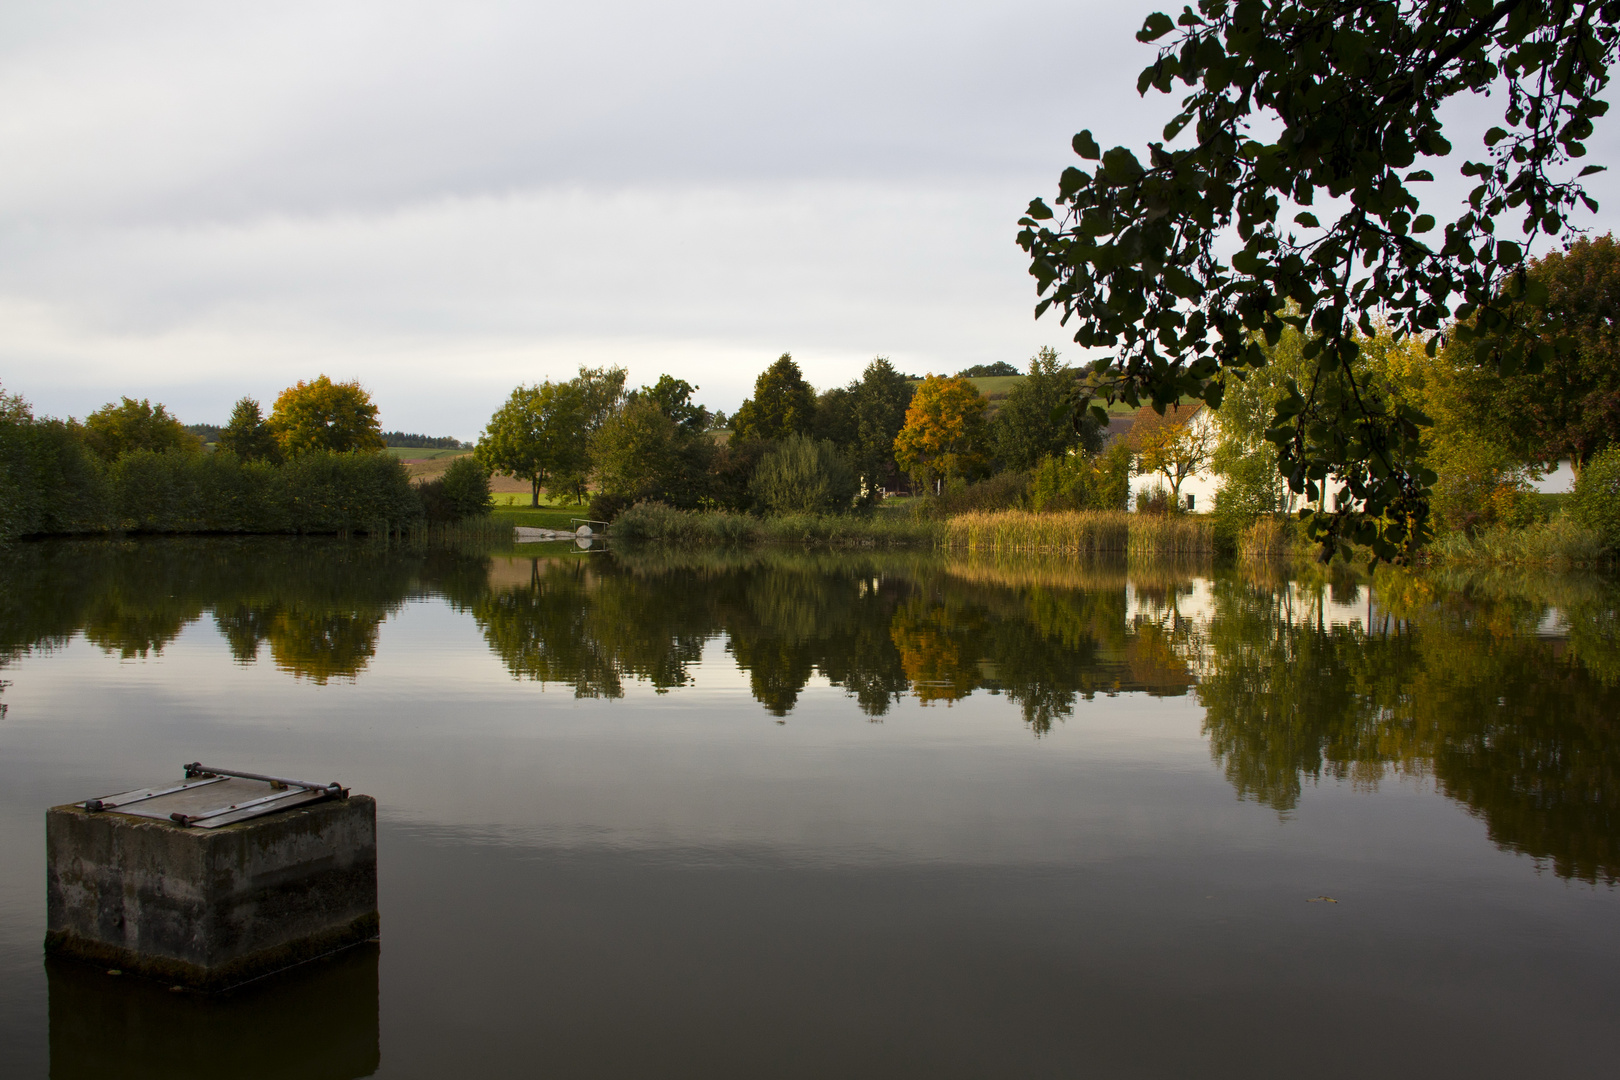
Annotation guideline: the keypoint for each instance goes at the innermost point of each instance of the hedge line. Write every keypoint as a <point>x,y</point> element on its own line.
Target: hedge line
<point>51,484</point>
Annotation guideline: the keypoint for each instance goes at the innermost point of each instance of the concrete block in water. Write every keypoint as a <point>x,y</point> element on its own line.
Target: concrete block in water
<point>210,908</point>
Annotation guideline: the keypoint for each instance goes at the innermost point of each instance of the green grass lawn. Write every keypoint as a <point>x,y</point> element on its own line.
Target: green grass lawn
<point>417,453</point>
<point>544,517</point>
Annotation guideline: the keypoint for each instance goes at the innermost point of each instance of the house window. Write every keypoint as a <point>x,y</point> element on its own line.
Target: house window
<point>1189,500</point>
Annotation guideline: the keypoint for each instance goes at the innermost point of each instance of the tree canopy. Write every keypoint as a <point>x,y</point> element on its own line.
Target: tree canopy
<point>638,451</point>
<point>944,432</point>
<point>673,397</point>
<point>1571,408</point>
<point>324,415</point>
<point>115,430</point>
<point>248,435</point>
<point>1291,103</point>
<point>783,404</point>
<point>1033,423</point>
<point>538,435</point>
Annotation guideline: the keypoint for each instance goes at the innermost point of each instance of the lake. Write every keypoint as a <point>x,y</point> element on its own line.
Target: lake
<point>777,813</point>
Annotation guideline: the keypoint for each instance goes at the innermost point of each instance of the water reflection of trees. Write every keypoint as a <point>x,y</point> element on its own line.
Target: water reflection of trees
<point>1503,692</point>
<point>878,627</point>
<point>317,604</point>
<point>1446,680</point>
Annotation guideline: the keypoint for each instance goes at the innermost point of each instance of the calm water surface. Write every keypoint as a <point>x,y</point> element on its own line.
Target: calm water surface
<point>777,814</point>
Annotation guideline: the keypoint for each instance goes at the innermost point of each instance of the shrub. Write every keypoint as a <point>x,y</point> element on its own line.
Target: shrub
<point>1083,481</point>
<point>326,491</point>
<point>804,476</point>
<point>1003,491</point>
<point>607,505</point>
<point>1596,503</point>
<point>50,482</point>
<point>461,492</point>
<point>1251,491</point>
<point>1154,500</point>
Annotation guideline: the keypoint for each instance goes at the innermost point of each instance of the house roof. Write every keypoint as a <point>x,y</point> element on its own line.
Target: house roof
<point>1176,415</point>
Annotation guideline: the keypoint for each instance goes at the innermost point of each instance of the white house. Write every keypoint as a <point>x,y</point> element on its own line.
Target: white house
<point>1197,488</point>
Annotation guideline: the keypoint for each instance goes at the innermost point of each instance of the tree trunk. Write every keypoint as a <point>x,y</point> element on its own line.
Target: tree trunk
<point>534,493</point>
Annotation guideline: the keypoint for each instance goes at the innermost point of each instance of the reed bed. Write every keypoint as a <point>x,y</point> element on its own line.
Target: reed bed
<point>1082,532</point>
<point>1267,538</point>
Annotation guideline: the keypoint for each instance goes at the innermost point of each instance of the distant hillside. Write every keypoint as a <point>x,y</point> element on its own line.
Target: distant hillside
<point>208,433</point>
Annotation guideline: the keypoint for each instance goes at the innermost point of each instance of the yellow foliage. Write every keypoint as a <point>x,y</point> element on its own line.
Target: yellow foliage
<point>324,415</point>
<point>944,431</point>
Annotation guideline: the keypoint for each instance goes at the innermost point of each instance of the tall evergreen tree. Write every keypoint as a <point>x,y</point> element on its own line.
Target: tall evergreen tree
<point>248,434</point>
<point>783,404</point>
<point>879,403</point>
<point>1033,421</point>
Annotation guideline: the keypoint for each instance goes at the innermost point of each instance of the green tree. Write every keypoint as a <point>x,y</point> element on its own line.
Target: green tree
<point>114,430</point>
<point>637,451</point>
<point>601,392</point>
<point>944,433</point>
<point>13,409</point>
<point>539,435</point>
<point>1082,481</point>
<point>1571,408</point>
<point>988,371</point>
<point>1290,101</point>
<point>802,475</point>
<point>880,399</point>
<point>324,415</point>
<point>835,416</point>
<point>1033,421</point>
<point>674,399</point>
<point>783,404</point>
<point>248,435</point>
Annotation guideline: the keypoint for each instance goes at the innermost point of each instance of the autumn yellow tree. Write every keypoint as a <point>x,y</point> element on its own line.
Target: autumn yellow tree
<point>324,415</point>
<point>944,433</point>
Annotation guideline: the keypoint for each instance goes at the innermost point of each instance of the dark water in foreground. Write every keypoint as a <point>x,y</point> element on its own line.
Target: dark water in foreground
<point>786,815</point>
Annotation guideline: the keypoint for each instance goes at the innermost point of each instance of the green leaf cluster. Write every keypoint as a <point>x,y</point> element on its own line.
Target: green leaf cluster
<point>1181,266</point>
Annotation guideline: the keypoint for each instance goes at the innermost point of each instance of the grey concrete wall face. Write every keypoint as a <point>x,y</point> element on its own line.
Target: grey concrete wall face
<point>210,908</point>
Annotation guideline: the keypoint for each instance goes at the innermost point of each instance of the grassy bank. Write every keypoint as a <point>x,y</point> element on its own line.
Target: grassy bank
<point>540,517</point>
<point>1083,532</point>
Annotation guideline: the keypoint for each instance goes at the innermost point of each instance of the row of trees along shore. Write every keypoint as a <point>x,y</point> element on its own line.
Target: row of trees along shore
<point>314,465</point>
<point>791,450</point>
<point>1485,439</point>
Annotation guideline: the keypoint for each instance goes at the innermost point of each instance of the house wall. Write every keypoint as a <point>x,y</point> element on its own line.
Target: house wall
<point>1201,485</point>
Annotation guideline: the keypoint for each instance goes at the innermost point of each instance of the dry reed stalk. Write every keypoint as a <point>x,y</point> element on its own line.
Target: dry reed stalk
<point>1267,538</point>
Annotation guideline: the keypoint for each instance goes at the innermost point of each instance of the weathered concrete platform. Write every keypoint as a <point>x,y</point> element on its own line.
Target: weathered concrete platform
<point>210,908</point>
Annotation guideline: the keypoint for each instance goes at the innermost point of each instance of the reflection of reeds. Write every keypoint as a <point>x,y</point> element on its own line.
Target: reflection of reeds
<point>1084,532</point>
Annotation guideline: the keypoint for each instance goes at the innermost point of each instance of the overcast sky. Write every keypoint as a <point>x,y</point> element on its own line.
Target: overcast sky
<point>204,200</point>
